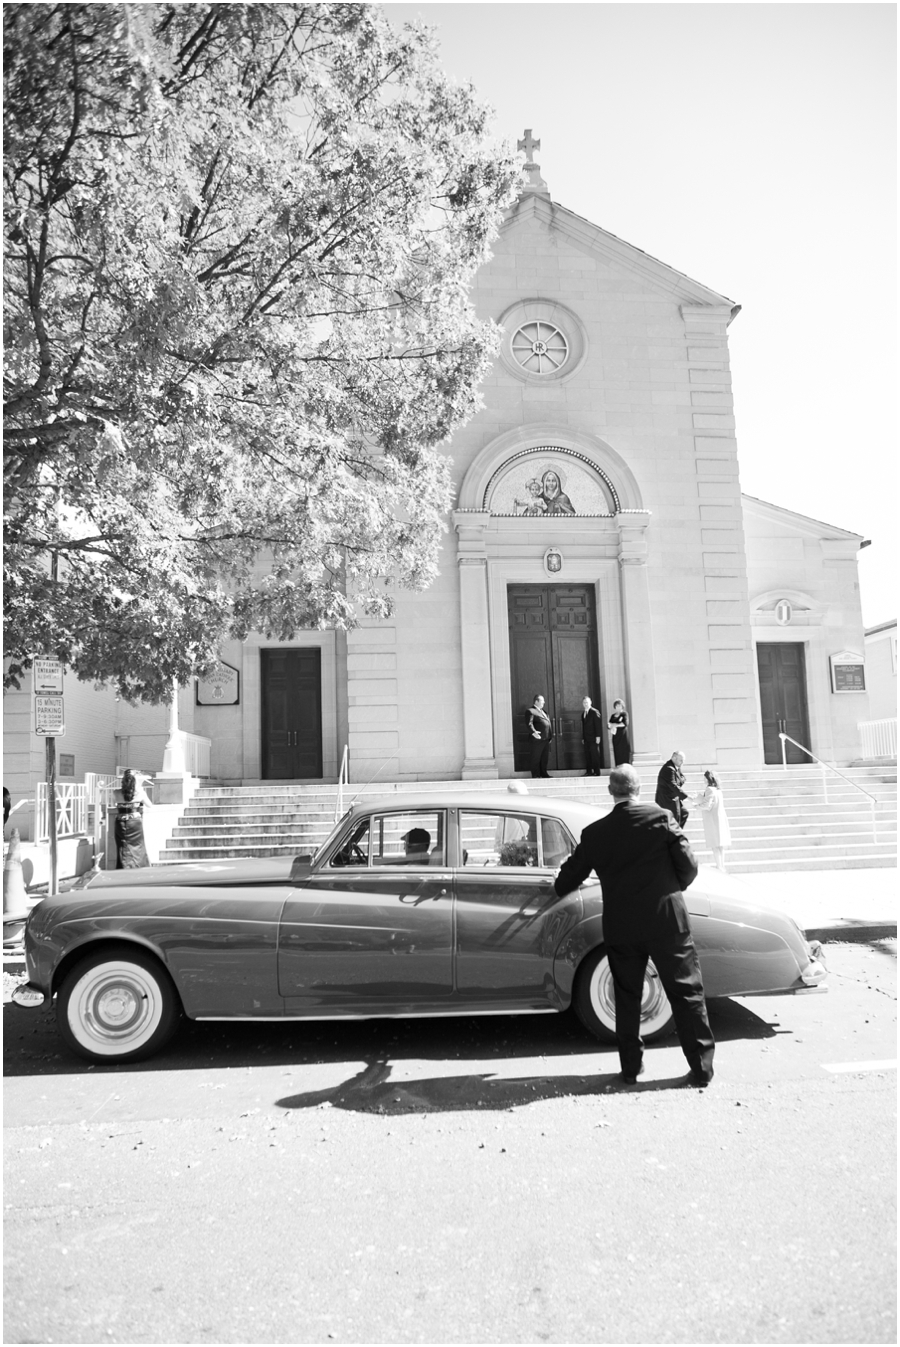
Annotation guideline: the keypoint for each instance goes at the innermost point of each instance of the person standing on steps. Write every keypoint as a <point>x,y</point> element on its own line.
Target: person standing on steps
<point>670,792</point>
<point>540,727</point>
<point>716,828</point>
<point>591,735</point>
<point>618,728</point>
<point>644,862</point>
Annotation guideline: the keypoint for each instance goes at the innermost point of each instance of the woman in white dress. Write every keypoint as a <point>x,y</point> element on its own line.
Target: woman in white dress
<point>716,828</point>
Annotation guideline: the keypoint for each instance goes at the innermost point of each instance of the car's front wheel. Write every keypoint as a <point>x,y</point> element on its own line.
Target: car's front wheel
<point>117,1006</point>
<point>595,1001</point>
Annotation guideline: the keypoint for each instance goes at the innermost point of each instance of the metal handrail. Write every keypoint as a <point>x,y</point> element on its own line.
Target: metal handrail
<point>343,779</point>
<point>826,766</point>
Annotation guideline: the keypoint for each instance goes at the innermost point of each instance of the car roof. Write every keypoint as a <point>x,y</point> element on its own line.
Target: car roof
<point>578,811</point>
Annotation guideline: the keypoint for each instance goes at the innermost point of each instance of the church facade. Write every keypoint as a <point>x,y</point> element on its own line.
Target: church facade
<point>600,546</point>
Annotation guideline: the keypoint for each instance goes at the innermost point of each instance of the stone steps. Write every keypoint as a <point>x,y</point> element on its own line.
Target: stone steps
<point>779,820</point>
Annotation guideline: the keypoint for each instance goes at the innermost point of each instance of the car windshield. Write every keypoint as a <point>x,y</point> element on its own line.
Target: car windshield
<point>331,834</point>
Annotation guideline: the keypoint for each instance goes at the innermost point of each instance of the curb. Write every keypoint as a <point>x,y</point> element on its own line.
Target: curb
<point>858,932</point>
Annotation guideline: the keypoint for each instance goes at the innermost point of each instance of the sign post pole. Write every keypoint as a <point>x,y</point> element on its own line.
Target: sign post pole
<point>51,813</point>
<point>50,722</point>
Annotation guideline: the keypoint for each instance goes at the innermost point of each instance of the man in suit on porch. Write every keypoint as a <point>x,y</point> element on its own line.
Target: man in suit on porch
<point>591,734</point>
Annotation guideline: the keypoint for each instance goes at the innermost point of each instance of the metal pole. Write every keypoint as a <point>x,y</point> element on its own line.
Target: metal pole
<point>51,813</point>
<point>783,739</point>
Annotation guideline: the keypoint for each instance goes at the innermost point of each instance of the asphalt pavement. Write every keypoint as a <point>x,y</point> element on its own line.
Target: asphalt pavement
<point>462,1181</point>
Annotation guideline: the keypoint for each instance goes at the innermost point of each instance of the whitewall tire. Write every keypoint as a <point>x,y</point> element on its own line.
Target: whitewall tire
<point>595,1001</point>
<point>117,1006</point>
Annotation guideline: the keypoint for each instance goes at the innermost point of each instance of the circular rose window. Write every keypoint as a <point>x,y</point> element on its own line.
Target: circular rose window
<point>540,348</point>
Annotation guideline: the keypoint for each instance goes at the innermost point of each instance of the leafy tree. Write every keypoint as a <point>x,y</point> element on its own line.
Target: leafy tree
<point>238,243</point>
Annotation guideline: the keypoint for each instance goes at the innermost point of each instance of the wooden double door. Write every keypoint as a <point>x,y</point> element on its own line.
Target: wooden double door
<point>291,714</point>
<point>553,644</point>
<point>782,697</point>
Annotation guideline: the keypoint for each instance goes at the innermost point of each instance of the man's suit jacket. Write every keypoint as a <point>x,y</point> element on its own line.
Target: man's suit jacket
<point>643,861</point>
<point>542,723</point>
<point>669,792</point>
<point>591,726</point>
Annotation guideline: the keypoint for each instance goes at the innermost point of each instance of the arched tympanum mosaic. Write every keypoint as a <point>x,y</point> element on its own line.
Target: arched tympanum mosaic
<point>550,481</point>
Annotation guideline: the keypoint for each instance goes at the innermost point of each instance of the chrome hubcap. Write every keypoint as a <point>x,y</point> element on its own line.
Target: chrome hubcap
<point>655,1007</point>
<point>114,1008</point>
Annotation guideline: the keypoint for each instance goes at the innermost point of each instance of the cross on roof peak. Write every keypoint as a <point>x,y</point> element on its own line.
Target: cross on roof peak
<point>535,182</point>
<point>529,145</point>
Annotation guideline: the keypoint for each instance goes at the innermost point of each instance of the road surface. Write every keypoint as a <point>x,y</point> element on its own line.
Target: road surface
<point>462,1181</point>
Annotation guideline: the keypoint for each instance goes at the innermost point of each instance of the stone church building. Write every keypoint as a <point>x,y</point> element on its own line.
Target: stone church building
<point>600,545</point>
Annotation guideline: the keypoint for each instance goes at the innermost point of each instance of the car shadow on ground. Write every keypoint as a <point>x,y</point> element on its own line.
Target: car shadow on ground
<point>32,1045</point>
<point>373,1091</point>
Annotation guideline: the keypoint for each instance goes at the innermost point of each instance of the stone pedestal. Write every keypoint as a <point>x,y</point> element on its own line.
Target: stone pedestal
<point>173,787</point>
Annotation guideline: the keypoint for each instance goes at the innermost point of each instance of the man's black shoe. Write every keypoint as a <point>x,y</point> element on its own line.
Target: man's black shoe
<point>630,1080</point>
<point>697,1080</point>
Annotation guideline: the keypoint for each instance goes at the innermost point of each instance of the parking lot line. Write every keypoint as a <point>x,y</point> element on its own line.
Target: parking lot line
<point>890,1065</point>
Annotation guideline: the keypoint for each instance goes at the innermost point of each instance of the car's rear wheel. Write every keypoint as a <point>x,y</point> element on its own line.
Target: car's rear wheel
<point>595,1001</point>
<point>117,1006</point>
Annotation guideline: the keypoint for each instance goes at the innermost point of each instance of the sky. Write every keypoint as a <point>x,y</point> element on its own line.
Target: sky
<point>753,147</point>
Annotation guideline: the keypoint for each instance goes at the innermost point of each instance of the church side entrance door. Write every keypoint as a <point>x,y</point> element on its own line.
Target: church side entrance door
<point>553,650</point>
<point>782,695</point>
<point>291,714</point>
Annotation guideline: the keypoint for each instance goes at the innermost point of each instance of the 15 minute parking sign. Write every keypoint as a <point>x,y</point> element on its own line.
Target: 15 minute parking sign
<point>49,716</point>
<point>49,707</point>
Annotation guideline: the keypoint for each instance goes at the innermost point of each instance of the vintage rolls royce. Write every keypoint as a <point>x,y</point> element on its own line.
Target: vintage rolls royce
<point>433,903</point>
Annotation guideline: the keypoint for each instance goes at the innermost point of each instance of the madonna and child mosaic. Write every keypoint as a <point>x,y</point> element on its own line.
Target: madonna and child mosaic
<point>543,486</point>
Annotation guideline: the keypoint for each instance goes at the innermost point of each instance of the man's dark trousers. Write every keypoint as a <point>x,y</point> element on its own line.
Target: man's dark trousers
<point>676,962</point>
<point>540,756</point>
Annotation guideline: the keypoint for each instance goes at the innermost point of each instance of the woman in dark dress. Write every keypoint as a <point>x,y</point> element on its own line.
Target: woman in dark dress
<point>618,727</point>
<point>540,728</point>
<point>131,853</point>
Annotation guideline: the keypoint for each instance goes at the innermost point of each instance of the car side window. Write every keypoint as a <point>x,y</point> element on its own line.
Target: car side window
<point>355,850</point>
<point>498,839</point>
<point>556,842</point>
<point>413,838</point>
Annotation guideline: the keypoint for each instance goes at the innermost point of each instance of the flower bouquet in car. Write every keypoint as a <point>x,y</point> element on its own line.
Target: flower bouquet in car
<point>520,852</point>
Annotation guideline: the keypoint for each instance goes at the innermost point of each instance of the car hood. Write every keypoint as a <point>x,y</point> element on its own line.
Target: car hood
<point>255,870</point>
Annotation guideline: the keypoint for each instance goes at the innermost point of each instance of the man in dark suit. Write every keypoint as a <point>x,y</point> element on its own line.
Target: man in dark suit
<point>670,792</point>
<point>643,861</point>
<point>540,728</point>
<point>591,732</point>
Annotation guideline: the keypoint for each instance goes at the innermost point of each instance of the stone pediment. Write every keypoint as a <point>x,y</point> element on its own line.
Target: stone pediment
<point>796,525</point>
<point>533,209</point>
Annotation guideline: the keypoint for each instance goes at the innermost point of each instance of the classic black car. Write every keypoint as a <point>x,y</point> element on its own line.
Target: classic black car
<point>427,904</point>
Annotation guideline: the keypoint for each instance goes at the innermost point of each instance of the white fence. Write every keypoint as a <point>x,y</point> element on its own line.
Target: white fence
<point>100,787</point>
<point>879,738</point>
<point>71,810</point>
